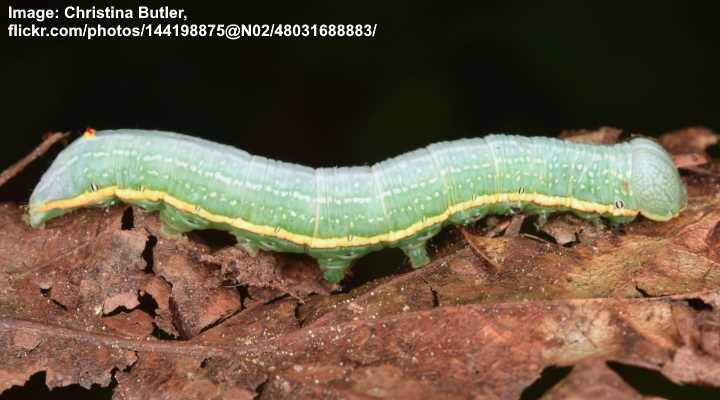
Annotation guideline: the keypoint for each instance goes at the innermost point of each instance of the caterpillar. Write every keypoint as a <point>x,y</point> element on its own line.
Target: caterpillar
<point>339,214</point>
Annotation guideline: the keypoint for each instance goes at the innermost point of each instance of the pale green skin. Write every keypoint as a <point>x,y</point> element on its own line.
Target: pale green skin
<point>360,201</point>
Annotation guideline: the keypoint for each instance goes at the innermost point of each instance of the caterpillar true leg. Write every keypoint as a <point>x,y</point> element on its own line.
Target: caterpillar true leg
<point>542,218</point>
<point>175,222</point>
<point>469,216</point>
<point>170,226</point>
<point>619,220</point>
<point>246,244</point>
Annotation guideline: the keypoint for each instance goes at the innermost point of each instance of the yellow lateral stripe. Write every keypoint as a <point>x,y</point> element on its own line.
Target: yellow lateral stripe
<point>101,195</point>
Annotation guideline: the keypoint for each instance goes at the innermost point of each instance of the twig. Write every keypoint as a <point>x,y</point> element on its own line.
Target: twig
<point>516,222</point>
<point>497,229</point>
<point>49,141</point>
<point>489,264</point>
<point>701,171</point>
<point>100,339</point>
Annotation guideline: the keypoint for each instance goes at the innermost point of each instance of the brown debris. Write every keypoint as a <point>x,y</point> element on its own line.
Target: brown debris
<point>134,324</point>
<point>85,301</point>
<point>688,148</point>
<point>694,140</point>
<point>198,297</point>
<point>254,325</point>
<point>515,225</point>
<point>25,340</point>
<point>565,229</point>
<point>180,377</point>
<point>697,360</point>
<point>297,276</point>
<point>690,161</point>
<point>592,379</point>
<point>160,291</point>
<point>64,360</point>
<point>603,135</point>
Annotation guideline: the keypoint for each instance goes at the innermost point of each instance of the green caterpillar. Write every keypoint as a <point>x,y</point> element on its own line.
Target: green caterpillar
<point>339,214</point>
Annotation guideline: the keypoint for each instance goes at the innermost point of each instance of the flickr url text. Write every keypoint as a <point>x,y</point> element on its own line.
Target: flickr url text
<point>228,31</point>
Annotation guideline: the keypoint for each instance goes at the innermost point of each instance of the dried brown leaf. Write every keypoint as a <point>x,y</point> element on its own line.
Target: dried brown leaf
<point>693,140</point>
<point>85,300</point>
<point>603,135</point>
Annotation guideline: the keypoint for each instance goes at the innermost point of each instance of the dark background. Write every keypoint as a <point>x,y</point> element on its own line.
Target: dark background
<point>433,72</point>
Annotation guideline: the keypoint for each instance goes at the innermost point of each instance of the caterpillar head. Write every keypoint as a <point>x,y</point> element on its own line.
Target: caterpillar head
<point>657,188</point>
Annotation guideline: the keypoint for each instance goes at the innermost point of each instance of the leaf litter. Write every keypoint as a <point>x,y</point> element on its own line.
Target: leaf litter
<point>99,298</point>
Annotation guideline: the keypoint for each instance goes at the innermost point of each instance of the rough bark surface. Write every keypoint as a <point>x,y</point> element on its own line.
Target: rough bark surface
<point>100,299</point>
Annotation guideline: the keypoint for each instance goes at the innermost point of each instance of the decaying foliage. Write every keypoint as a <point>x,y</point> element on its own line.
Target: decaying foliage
<point>100,299</point>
